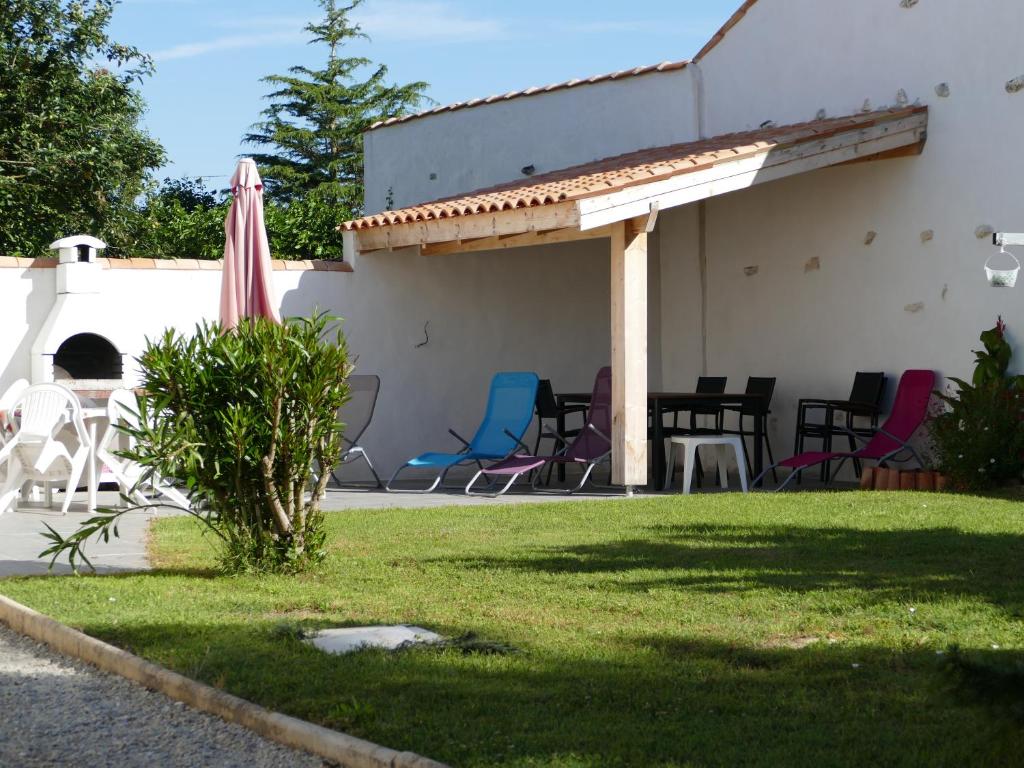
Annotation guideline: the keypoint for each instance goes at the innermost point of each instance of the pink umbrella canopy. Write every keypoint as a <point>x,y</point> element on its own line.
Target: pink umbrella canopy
<point>246,289</point>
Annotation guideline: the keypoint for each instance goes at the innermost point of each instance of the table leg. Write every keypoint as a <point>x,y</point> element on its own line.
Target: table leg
<point>657,446</point>
<point>759,425</point>
<point>92,466</point>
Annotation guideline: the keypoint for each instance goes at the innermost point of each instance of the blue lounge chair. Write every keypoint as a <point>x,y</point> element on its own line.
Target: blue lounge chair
<point>509,414</point>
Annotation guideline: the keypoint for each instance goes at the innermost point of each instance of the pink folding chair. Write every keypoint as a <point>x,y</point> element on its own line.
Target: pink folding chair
<point>888,442</point>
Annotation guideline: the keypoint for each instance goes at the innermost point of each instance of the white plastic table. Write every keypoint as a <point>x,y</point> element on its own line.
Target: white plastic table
<point>91,417</point>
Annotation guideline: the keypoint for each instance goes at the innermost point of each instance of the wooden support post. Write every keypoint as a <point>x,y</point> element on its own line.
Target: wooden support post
<point>629,354</point>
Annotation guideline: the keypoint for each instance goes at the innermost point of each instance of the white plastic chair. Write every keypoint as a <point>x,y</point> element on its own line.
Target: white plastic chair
<point>34,454</point>
<point>7,401</point>
<point>123,407</point>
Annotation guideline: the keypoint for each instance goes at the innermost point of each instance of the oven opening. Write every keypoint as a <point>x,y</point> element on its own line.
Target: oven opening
<point>88,356</point>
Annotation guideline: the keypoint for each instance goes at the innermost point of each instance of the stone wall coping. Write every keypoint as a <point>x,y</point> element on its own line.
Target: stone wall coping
<point>307,265</point>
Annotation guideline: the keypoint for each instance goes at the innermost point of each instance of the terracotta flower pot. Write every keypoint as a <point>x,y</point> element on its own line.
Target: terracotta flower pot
<point>908,481</point>
<point>941,481</point>
<point>894,479</point>
<point>867,479</point>
<point>925,481</point>
<point>881,478</point>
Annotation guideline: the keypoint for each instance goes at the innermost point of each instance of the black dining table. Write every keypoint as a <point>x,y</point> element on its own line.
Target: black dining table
<point>661,403</point>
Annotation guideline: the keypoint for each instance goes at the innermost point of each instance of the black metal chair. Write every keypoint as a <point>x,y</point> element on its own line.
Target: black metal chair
<point>756,385</point>
<point>706,385</point>
<point>547,408</point>
<point>816,418</point>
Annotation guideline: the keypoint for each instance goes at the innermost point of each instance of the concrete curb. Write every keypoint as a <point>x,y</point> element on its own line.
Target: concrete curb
<point>290,731</point>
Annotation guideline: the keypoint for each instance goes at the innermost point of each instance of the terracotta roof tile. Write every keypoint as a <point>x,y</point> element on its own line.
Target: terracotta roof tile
<point>616,173</point>
<point>665,66</point>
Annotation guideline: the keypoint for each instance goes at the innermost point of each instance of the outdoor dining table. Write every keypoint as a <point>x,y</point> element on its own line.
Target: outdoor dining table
<point>661,403</point>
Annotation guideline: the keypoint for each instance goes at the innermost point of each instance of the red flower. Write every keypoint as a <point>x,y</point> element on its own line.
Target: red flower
<point>1000,326</point>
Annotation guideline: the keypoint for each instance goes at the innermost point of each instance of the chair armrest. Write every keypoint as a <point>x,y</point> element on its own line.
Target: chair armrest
<point>809,404</point>
<point>600,433</point>
<point>551,433</point>
<point>567,410</point>
<point>460,438</point>
<point>857,408</point>
<point>519,442</point>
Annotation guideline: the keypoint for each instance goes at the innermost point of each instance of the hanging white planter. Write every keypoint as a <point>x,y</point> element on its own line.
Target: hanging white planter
<point>1002,278</point>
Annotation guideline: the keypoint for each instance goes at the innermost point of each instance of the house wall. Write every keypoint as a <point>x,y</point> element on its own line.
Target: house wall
<point>544,310</point>
<point>902,301</point>
<point>469,149</point>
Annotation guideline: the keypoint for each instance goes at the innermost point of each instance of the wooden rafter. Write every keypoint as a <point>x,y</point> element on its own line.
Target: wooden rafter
<point>501,242</point>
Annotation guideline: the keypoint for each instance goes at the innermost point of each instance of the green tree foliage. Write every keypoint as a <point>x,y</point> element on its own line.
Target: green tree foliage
<point>181,219</point>
<point>184,219</point>
<point>72,155</point>
<point>314,125</point>
<point>979,434</point>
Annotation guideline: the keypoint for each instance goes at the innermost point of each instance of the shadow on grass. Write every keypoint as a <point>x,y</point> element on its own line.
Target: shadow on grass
<point>725,558</point>
<point>642,700</point>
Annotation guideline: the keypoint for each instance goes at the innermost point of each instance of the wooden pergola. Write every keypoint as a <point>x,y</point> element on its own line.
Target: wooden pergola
<point>618,199</point>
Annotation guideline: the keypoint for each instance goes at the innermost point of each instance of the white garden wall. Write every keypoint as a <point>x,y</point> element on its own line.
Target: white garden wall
<point>545,310</point>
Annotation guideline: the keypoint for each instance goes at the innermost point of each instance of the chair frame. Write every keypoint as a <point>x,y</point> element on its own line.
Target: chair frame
<point>465,451</point>
<point>120,409</point>
<point>743,433</point>
<point>547,461</point>
<point>72,414</point>
<point>902,446</point>
<point>826,429</point>
<point>354,451</point>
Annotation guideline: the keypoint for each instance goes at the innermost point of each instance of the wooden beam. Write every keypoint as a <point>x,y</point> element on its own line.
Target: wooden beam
<point>519,221</point>
<point>501,242</point>
<point>629,355</point>
<point>911,150</point>
<point>753,168</point>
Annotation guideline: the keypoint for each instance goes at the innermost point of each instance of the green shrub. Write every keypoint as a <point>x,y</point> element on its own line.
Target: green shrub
<point>978,436</point>
<point>241,418</point>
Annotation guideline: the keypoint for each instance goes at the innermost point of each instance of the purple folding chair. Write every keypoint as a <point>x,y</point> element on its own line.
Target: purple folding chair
<point>909,412</point>
<point>591,447</point>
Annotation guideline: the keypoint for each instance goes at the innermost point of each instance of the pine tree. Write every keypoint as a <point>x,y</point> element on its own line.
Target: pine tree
<point>314,125</point>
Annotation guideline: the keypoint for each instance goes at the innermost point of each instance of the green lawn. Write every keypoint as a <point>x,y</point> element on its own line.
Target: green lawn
<point>791,629</point>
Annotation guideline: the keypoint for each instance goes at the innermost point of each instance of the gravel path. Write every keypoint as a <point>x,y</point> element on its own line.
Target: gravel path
<point>57,712</point>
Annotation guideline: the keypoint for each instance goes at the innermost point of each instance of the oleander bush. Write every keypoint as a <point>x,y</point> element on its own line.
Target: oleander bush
<point>241,418</point>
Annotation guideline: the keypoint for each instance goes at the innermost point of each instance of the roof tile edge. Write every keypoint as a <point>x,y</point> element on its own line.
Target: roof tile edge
<point>724,30</point>
<point>665,66</point>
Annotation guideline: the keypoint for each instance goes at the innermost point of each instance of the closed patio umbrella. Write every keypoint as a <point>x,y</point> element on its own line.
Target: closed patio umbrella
<point>246,289</point>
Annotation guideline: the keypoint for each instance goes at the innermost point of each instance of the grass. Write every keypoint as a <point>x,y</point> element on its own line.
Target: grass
<point>761,630</point>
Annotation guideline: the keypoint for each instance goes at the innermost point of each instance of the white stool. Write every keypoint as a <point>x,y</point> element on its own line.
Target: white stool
<point>690,444</point>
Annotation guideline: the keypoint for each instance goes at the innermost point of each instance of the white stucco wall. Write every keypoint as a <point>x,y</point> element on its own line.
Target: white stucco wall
<point>541,309</point>
<point>544,310</point>
<point>140,303</point>
<point>786,60</point>
<point>477,147</point>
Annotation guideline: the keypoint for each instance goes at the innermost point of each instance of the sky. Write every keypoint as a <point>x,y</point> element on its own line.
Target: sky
<point>211,54</point>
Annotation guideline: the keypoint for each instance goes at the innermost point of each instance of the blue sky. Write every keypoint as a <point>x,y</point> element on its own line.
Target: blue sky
<point>211,54</point>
